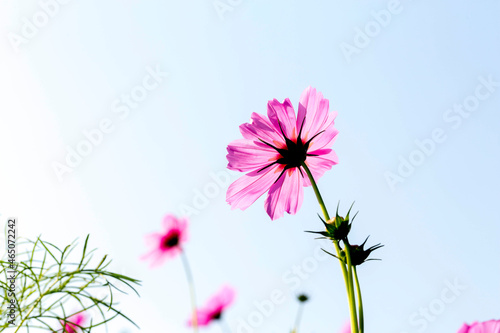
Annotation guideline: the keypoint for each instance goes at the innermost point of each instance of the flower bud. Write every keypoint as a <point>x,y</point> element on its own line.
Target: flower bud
<point>359,255</point>
<point>337,228</point>
<point>302,298</point>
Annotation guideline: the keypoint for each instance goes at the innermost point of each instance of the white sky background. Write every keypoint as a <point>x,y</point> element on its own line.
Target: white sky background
<point>439,225</point>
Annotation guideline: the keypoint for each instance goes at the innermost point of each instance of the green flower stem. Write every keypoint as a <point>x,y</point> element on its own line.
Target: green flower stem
<point>190,280</point>
<point>352,299</point>
<point>360,302</point>
<point>347,276</point>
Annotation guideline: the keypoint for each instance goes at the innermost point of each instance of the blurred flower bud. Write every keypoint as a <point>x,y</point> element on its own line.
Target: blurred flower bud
<point>302,298</point>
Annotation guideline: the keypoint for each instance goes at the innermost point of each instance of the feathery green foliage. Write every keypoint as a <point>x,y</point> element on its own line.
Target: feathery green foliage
<point>49,285</point>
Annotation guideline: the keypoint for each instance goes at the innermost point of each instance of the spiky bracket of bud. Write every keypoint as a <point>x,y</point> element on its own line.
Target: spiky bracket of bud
<point>358,253</point>
<point>338,228</point>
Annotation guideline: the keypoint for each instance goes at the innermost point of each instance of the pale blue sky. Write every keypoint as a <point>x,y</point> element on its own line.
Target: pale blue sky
<point>439,225</point>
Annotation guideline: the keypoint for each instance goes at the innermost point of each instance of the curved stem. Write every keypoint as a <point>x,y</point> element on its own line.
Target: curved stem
<point>360,302</point>
<point>316,191</point>
<point>346,274</point>
<point>298,318</point>
<point>189,277</point>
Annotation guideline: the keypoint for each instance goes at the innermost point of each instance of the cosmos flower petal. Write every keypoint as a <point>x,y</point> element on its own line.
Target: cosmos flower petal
<point>327,138</point>
<point>271,145</point>
<point>149,254</point>
<point>314,108</point>
<point>490,326</point>
<point>72,324</point>
<point>78,319</point>
<point>224,298</point>
<point>215,306</point>
<point>285,195</point>
<point>346,328</point>
<point>248,188</point>
<point>156,257</point>
<point>168,243</point>
<point>464,329</point>
<point>152,237</point>
<point>318,165</point>
<point>203,318</point>
<point>244,155</point>
<point>172,222</point>
<point>169,221</point>
<point>159,260</point>
<point>282,116</point>
<point>261,129</point>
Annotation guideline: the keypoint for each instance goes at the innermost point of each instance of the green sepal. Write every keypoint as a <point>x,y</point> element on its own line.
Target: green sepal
<point>359,255</point>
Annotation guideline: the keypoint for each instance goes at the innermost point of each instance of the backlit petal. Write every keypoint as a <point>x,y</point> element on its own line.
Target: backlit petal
<point>248,188</point>
<point>285,195</point>
<point>245,155</point>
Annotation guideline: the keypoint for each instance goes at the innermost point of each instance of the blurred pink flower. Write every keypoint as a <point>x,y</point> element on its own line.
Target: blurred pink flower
<point>346,328</point>
<point>215,306</point>
<point>73,323</point>
<point>273,149</point>
<point>168,243</point>
<point>491,326</point>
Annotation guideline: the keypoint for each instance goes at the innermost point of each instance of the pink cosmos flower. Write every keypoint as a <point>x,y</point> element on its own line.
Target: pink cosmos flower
<point>273,149</point>
<point>168,243</point>
<point>73,323</point>
<point>491,326</point>
<point>215,306</point>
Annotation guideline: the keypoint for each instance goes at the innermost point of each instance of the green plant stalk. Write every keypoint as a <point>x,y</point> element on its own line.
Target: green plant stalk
<point>192,292</point>
<point>352,299</point>
<point>347,276</point>
<point>360,302</point>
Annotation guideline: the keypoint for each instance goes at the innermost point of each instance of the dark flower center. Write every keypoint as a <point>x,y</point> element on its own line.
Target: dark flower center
<point>295,153</point>
<point>171,240</point>
<point>217,315</point>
